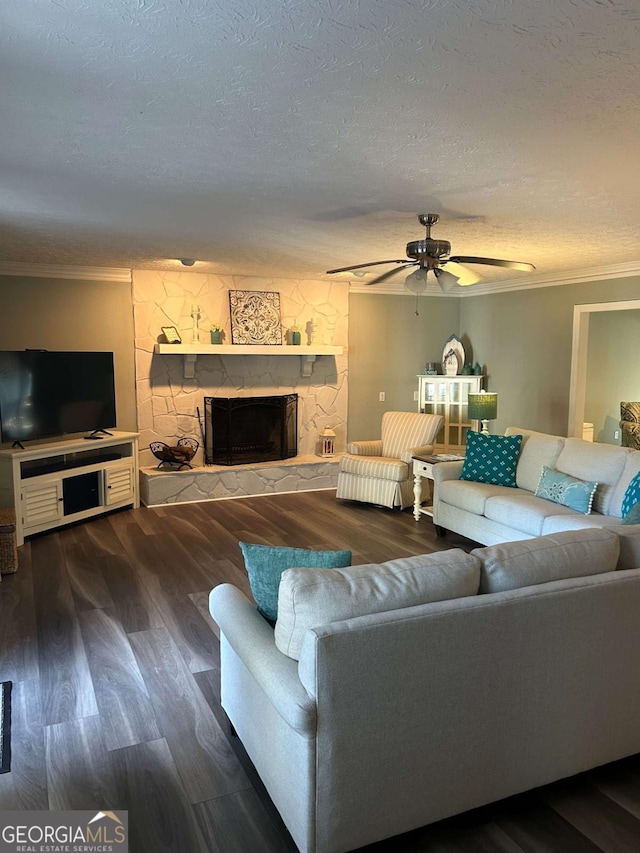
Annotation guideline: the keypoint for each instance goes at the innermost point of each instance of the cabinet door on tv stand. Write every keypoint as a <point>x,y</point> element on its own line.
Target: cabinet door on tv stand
<point>42,503</point>
<point>119,484</point>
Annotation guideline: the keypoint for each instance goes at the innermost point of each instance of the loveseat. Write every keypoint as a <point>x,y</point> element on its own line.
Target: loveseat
<point>389,697</point>
<point>490,514</point>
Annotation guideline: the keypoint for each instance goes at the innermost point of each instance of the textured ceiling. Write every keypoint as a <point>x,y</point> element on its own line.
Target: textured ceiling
<point>285,137</point>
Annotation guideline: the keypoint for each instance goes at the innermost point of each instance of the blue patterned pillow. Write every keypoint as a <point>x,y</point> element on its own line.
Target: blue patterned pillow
<point>631,496</point>
<point>568,491</point>
<point>491,459</point>
<point>265,564</point>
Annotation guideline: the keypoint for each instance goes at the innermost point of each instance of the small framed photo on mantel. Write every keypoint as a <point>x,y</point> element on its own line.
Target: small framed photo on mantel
<point>171,334</point>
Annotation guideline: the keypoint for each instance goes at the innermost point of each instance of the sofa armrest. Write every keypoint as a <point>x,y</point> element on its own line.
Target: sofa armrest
<point>447,471</point>
<point>251,638</point>
<point>365,448</point>
<point>423,450</point>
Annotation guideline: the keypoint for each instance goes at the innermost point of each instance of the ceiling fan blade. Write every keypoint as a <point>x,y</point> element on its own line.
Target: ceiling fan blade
<point>465,275</point>
<point>493,262</point>
<point>361,266</point>
<point>389,273</point>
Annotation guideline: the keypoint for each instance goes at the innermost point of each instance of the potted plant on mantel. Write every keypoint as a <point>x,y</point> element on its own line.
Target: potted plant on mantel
<point>217,333</point>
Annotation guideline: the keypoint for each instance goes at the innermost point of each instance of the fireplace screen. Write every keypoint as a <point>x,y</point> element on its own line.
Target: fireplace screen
<point>241,430</point>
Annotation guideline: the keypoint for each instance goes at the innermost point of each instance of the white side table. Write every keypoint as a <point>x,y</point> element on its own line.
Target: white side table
<point>423,470</point>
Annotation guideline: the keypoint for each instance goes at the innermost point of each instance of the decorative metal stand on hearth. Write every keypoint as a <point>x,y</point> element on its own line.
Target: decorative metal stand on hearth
<point>177,457</point>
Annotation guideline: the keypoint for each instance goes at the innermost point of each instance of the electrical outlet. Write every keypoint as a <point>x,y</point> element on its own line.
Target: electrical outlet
<point>381,396</point>
<point>616,434</point>
<point>415,396</point>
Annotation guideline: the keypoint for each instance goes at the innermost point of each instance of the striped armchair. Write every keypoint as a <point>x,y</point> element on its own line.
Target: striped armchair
<point>380,472</point>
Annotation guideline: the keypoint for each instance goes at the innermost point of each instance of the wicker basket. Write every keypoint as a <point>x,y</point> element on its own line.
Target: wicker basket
<point>8,543</point>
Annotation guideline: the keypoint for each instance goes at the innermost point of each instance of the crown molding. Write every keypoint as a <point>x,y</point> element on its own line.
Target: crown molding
<point>531,282</point>
<point>69,272</point>
<point>397,289</point>
<point>611,271</point>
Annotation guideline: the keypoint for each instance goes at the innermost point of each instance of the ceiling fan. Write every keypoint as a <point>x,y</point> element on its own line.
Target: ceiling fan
<point>430,254</point>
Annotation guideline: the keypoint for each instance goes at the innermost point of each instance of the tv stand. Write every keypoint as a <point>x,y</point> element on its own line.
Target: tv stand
<point>55,483</point>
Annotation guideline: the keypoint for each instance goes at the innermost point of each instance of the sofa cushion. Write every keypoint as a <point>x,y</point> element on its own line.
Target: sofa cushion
<point>265,565</point>
<point>601,463</point>
<point>309,598</point>
<point>380,467</point>
<point>521,510</point>
<point>491,459</point>
<point>566,490</point>
<point>570,520</point>
<point>471,497</point>
<point>537,449</point>
<point>629,538</point>
<point>633,516</point>
<point>572,554</point>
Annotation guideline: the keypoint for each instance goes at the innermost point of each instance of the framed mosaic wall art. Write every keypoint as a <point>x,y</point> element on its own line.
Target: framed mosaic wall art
<point>255,317</point>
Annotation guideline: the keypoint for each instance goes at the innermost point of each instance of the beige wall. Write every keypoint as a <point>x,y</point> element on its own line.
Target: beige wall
<point>524,340</point>
<point>613,370</point>
<point>62,314</point>
<point>388,347</point>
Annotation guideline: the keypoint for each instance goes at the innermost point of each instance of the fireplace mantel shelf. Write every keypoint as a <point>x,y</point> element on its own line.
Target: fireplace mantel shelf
<point>307,354</point>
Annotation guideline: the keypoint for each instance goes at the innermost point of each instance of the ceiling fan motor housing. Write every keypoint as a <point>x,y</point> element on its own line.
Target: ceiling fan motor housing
<point>422,249</point>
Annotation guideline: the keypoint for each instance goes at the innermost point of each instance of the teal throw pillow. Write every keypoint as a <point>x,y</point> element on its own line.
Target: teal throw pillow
<point>631,496</point>
<point>633,516</point>
<point>568,491</point>
<point>491,459</point>
<point>266,563</point>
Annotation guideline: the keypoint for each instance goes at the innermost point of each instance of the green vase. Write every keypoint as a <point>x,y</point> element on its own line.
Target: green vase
<point>216,336</point>
<point>295,339</point>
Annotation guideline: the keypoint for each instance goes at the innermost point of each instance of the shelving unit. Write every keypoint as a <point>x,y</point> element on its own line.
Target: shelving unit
<point>448,396</point>
<point>55,483</point>
<point>306,353</point>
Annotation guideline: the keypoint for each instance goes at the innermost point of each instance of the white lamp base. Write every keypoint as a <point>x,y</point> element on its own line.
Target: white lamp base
<point>484,430</point>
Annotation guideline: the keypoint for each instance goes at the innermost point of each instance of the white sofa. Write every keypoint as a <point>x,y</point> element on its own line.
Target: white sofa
<point>491,514</point>
<point>399,718</point>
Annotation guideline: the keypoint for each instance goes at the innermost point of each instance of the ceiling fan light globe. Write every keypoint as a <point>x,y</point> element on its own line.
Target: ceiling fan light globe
<point>446,280</point>
<point>416,281</point>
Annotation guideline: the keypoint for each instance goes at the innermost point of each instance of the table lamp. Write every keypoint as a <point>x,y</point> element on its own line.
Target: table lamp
<point>483,407</point>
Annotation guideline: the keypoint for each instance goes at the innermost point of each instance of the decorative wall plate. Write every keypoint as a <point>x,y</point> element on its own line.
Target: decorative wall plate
<point>255,317</point>
<point>453,343</point>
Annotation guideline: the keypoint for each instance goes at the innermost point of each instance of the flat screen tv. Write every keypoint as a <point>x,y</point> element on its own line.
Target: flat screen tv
<point>45,394</point>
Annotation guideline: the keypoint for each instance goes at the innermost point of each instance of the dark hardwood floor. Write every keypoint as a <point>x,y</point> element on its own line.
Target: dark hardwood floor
<point>105,632</point>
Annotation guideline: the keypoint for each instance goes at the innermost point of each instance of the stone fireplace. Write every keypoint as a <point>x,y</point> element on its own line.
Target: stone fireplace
<point>169,395</point>
<point>239,430</point>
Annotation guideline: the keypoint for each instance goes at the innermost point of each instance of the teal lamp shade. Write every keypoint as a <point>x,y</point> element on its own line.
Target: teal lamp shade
<point>483,407</point>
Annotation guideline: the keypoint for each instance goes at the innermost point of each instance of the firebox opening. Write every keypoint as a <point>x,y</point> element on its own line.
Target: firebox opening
<point>242,430</point>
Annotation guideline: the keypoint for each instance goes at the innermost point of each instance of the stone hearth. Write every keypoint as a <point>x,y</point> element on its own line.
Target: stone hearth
<point>220,482</point>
